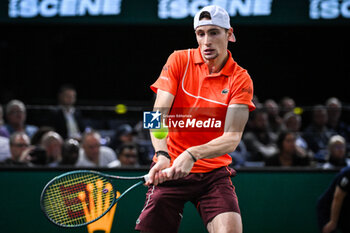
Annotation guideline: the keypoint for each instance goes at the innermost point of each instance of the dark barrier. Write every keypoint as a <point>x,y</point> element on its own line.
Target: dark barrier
<point>271,201</point>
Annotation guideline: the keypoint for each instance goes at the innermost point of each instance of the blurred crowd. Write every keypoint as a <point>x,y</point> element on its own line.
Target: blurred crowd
<point>278,133</point>
<point>65,140</point>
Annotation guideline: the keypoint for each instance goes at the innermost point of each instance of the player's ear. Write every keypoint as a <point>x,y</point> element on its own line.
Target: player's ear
<point>229,33</point>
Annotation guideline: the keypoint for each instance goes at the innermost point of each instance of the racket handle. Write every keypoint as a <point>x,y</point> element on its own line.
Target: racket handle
<point>146,177</point>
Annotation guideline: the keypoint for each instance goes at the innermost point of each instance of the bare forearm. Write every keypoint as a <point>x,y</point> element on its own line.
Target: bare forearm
<point>224,144</point>
<point>336,207</point>
<point>163,103</point>
<point>236,119</point>
<point>159,144</point>
<point>335,210</point>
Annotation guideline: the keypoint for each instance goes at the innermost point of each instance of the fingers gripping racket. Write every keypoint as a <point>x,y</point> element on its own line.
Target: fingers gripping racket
<point>68,200</point>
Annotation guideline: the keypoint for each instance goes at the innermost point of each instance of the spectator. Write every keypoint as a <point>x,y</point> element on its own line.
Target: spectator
<point>260,141</point>
<point>258,105</point>
<point>37,137</point>
<point>288,154</point>
<point>239,155</point>
<point>4,141</point>
<point>128,156</point>
<point>275,121</point>
<point>317,134</point>
<point>257,102</point>
<point>66,119</point>
<point>4,148</point>
<point>334,110</point>
<point>144,143</point>
<point>20,150</point>
<point>287,104</point>
<point>52,143</point>
<point>3,130</point>
<point>333,207</point>
<point>336,153</point>
<point>92,154</point>
<point>70,152</point>
<point>292,122</point>
<point>123,134</point>
<point>16,118</point>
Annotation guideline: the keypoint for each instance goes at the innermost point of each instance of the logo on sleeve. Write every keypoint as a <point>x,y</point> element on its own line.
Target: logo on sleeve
<point>344,182</point>
<point>247,90</point>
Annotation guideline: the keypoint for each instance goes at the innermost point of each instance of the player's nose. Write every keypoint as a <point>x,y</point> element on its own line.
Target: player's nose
<point>207,40</point>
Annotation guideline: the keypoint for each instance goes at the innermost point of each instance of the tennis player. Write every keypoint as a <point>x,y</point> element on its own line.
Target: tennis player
<point>213,86</point>
<point>333,207</point>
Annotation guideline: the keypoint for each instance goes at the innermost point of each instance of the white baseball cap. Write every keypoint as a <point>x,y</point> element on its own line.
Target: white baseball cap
<point>219,17</point>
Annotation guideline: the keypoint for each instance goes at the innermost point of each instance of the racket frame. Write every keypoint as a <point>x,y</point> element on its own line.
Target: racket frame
<point>142,180</point>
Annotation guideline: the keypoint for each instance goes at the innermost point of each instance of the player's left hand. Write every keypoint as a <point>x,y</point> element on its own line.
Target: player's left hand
<point>181,167</point>
<point>156,175</point>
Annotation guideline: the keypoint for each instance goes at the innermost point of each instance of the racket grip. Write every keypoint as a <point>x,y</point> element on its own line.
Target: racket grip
<point>146,177</point>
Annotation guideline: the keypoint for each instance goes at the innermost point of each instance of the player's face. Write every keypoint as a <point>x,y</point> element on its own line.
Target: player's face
<point>212,41</point>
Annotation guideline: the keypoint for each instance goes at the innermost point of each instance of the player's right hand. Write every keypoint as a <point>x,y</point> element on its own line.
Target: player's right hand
<point>329,227</point>
<point>156,176</point>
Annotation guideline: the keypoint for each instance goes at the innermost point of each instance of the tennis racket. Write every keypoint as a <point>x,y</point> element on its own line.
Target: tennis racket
<point>68,200</point>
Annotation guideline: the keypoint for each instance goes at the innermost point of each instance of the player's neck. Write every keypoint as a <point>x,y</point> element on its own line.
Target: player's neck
<point>216,64</point>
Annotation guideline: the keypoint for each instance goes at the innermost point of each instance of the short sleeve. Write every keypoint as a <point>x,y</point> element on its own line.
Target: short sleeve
<point>344,181</point>
<point>242,90</point>
<point>171,73</point>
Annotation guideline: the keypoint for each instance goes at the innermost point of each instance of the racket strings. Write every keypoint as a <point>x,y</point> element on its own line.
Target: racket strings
<point>78,198</point>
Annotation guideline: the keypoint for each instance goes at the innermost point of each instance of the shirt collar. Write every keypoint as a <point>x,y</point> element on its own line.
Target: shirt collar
<point>198,56</point>
<point>70,110</point>
<point>227,70</point>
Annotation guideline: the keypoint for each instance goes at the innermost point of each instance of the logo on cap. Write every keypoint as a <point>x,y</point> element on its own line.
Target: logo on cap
<point>218,17</point>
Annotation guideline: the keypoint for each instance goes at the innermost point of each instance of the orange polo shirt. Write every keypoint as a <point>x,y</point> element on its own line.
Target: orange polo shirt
<point>201,101</point>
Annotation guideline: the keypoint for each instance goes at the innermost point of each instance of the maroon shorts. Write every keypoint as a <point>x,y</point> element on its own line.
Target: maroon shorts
<point>212,193</point>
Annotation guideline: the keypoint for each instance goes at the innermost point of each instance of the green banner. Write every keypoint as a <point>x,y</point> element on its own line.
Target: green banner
<point>270,201</point>
<point>153,12</point>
